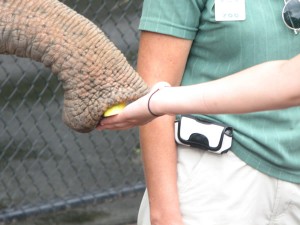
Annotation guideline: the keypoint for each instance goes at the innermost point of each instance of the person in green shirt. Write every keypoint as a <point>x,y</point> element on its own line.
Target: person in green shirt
<point>201,45</point>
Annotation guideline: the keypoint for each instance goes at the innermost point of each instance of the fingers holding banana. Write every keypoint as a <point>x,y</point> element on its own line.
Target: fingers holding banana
<point>137,113</point>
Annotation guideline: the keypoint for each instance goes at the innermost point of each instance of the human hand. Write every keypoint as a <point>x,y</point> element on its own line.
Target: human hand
<point>161,215</point>
<point>170,219</point>
<point>136,113</point>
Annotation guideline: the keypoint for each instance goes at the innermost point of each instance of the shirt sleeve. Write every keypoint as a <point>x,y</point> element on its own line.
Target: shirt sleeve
<point>179,18</point>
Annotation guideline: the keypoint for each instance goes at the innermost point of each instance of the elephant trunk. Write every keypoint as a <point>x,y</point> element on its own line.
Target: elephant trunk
<point>94,73</point>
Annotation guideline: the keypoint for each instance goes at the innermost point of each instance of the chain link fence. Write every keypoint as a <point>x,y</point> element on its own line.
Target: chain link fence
<point>46,167</point>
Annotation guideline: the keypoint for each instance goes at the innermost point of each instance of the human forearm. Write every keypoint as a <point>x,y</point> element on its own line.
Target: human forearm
<point>271,85</point>
<point>161,58</point>
<point>160,160</point>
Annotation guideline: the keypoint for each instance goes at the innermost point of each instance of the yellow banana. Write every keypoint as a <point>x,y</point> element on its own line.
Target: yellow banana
<point>114,110</point>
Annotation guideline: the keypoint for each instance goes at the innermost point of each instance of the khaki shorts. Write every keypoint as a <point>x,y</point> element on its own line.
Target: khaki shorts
<point>222,189</point>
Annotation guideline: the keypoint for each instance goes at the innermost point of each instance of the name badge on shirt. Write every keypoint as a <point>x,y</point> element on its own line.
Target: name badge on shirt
<point>230,10</point>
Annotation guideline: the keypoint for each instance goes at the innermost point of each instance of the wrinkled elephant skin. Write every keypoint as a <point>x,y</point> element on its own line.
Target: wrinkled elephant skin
<point>94,73</point>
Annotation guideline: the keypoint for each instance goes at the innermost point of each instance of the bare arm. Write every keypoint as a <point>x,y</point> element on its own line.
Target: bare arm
<point>161,58</point>
<point>267,86</point>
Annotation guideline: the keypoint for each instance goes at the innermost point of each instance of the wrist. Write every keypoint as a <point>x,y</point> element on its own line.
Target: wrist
<point>150,102</point>
<point>170,218</point>
<point>153,101</point>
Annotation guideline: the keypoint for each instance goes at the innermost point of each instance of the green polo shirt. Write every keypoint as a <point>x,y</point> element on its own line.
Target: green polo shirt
<point>268,141</point>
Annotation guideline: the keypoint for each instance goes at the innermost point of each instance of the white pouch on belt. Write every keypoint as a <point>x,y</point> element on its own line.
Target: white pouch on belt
<point>205,135</point>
